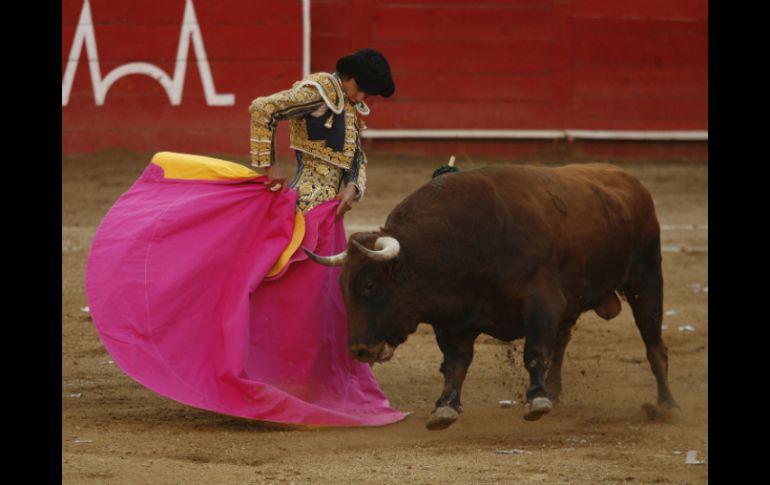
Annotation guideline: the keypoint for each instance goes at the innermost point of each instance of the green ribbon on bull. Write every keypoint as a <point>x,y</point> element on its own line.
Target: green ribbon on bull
<point>450,167</point>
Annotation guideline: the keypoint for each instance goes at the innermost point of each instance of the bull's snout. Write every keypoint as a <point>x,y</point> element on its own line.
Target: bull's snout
<point>360,352</point>
<point>370,354</point>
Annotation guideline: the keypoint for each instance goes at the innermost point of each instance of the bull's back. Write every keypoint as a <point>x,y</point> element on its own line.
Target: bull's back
<point>579,204</point>
<point>599,220</point>
<point>588,219</point>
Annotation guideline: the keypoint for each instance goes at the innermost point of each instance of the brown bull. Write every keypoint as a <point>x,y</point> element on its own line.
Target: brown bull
<point>511,252</point>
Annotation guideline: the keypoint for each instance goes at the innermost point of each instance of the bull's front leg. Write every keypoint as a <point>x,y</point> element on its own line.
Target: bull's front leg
<point>458,354</point>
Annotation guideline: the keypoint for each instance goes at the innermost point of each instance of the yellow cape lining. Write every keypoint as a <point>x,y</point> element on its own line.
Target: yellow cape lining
<point>184,166</point>
<point>296,240</point>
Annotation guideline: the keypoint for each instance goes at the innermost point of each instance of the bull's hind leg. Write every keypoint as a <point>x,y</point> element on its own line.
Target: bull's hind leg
<point>458,354</point>
<point>541,320</point>
<point>553,379</point>
<point>644,293</point>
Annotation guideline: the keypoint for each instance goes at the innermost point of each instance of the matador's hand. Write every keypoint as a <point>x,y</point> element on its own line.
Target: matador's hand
<point>346,198</point>
<point>276,181</point>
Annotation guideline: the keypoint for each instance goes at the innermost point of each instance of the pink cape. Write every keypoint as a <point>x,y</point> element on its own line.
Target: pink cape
<point>177,291</point>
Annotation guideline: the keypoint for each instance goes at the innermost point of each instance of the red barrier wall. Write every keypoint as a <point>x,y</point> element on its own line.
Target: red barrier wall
<point>580,64</point>
<point>520,65</point>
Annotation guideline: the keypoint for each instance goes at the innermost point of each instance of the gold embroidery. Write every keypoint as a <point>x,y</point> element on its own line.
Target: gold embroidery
<point>330,89</point>
<point>299,141</point>
<point>361,182</point>
<point>306,189</point>
<point>317,183</point>
<point>293,104</point>
<point>362,108</point>
<point>266,110</point>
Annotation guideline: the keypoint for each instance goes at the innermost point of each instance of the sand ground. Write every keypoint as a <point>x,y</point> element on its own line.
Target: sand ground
<point>116,431</point>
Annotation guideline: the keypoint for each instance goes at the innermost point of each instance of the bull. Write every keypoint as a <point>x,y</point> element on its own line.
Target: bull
<point>512,252</point>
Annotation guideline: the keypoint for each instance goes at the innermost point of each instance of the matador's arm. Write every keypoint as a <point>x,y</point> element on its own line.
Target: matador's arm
<point>266,111</point>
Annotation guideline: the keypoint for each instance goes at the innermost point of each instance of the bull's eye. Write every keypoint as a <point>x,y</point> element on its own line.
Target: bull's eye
<point>369,287</point>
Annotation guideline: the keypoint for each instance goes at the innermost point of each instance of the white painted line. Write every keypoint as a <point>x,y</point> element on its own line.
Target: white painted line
<point>305,38</point>
<point>541,134</point>
<point>530,134</point>
<point>638,135</point>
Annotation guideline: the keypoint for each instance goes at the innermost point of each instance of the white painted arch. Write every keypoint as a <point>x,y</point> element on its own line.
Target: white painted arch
<point>190,33</point>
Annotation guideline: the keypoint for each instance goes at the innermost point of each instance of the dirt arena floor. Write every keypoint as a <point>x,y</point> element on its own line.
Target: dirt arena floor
<point>115,431</point>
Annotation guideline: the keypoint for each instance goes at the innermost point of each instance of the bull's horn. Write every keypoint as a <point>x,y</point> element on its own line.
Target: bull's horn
<point>385,248</point>
<point>333,260</point>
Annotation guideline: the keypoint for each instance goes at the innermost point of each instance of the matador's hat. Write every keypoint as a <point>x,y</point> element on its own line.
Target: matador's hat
<point>371,71</point>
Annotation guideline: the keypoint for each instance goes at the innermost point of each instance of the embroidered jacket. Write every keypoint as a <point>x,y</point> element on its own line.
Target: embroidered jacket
<point>323,127</point>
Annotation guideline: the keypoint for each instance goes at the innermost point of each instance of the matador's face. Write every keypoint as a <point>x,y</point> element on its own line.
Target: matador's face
<point>352,91</point>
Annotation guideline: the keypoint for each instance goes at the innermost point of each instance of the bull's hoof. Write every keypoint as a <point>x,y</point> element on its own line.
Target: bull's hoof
<point>442,418</point>
<point>661,412</point>
<point>536,408</point>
